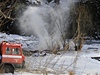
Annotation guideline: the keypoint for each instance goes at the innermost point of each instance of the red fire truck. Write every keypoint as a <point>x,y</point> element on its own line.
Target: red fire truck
<point>11,57</point>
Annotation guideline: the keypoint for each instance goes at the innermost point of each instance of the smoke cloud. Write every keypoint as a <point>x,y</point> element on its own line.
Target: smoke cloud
<point>46,22</point>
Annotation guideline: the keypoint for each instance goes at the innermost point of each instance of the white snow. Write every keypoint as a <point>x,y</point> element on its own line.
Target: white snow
<point>57,64</point>
<point>28,42</point>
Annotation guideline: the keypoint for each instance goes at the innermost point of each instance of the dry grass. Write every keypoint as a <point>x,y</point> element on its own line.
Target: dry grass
<point>71,73</point>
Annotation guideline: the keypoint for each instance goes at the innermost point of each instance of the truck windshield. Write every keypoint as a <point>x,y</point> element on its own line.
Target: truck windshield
<point>15,51</point>
<point>12,50</point>
<point>8,50</point>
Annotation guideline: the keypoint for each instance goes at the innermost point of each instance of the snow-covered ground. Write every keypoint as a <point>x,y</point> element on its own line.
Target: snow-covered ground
<point>80,62</point>
<point>28,42</point>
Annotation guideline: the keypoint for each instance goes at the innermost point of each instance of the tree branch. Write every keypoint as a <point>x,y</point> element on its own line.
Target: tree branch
<point>6,17</point>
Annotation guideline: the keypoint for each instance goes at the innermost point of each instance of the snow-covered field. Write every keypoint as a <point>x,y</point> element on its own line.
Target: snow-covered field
<point>80,62</point>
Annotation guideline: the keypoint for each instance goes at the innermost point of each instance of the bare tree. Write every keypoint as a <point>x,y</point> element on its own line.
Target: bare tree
<point>84,23</point>
<point>6,8</point>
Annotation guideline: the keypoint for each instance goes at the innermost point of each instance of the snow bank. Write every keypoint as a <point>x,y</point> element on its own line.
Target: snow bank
<point>28,42</point>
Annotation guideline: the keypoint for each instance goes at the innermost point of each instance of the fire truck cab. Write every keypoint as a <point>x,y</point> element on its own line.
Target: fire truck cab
<point>11,57</point>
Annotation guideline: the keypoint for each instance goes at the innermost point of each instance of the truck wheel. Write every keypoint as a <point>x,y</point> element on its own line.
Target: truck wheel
<point>8,69</point>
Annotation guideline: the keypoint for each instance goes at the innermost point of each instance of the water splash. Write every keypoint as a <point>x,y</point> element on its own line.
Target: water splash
<point>47,22</point>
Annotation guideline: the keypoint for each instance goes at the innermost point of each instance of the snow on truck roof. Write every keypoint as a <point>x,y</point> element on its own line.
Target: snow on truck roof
<point>12,43</point>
